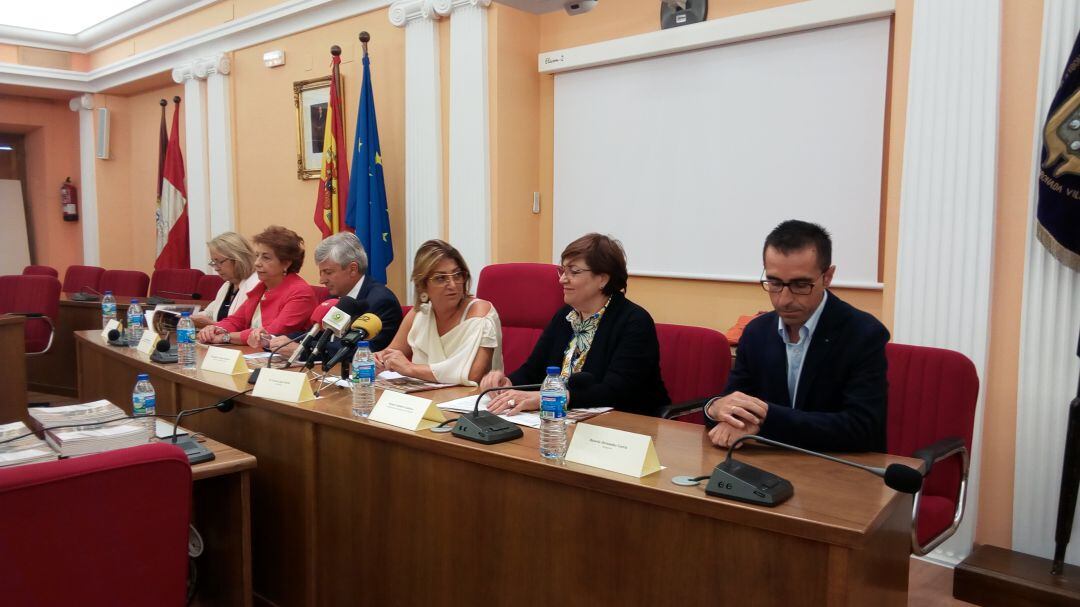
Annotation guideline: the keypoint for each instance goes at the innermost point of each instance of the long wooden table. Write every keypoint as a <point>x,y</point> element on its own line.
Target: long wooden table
<point>55,372</point>
<point>348,511</point>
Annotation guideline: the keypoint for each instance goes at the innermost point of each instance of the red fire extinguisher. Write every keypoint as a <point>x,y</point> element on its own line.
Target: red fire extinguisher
<point>69,200</point>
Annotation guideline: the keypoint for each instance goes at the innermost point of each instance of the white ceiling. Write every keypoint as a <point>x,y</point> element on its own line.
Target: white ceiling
<point>84,25</point>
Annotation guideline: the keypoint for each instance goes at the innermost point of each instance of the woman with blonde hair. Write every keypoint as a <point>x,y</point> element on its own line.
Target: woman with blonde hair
<point>232,257</point>
<point>450,336</point>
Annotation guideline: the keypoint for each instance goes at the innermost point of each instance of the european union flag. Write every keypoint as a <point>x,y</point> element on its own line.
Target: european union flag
<point>366,209</point>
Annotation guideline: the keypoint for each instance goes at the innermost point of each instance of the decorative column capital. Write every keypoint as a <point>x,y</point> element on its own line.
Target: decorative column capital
<point>200,68</point>
<point>82,102</point>
<point>445,7</point>
<point>404,12</point>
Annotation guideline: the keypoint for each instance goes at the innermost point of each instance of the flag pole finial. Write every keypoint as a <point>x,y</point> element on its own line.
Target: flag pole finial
<point>364,39</point>
<point>163,103</point>
<point>176,99</point>
<point>335,50</point>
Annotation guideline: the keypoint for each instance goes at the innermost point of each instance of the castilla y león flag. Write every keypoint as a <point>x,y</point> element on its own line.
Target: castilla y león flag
<point>176,251</point>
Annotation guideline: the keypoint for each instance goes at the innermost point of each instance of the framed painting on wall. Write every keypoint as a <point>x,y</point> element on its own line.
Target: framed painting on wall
<point>312,100</point>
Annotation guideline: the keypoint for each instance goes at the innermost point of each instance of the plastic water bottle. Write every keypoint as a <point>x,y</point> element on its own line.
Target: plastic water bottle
<point>362,376</point>
<point>185,341</point>
<point>108,309</point>
<point>134,324</point>
<point>144,401</point>
<point>554,398</point>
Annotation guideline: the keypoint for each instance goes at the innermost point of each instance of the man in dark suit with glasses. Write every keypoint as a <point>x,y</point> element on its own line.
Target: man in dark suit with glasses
<point>812,372</point>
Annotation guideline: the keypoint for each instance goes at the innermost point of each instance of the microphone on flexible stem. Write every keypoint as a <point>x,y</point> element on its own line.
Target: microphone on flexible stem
<point>196,452</point>
<point>164,352</point>
<point>305,346</point>
<point>192,295</point>
<point>87,293</point>
<point>337,322</point>
<point>745,483</point>
<point>364,328</point>
<point>487,428</point>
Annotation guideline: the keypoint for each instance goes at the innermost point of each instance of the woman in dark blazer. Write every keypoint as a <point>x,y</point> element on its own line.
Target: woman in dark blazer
<point>598,331</point>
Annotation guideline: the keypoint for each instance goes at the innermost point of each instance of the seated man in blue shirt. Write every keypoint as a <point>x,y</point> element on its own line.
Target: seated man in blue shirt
<point>812,372</point>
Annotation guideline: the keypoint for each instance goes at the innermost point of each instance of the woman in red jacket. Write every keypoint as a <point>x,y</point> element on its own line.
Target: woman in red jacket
<point>281,303</point>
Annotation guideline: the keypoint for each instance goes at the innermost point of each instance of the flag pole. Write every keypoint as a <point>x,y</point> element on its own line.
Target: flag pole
<point>364,39</point>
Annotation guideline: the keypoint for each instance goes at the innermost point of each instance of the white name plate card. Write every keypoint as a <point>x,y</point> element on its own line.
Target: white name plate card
<point>614,450</point>
<point>406,411</point>
<point>148,342</point>
<point>278,384</point>
<point>112,324</point>
<point>224,360</point>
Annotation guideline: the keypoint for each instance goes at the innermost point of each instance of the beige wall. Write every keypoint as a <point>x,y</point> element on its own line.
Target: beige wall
<point>52,154</point>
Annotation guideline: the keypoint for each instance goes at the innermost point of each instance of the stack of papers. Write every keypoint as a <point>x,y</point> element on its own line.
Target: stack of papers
<point>89,435</point>
<point>27,450</point>
<point>530,419</point>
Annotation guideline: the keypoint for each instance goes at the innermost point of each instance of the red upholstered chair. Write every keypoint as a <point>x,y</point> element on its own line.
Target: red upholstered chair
<point>41,271</point>
<point>125,283</point>
<point>209,285</point>
<point>694,363</point>
<point>405,310</point>
<point>82,278</point>
<point>105,529</point>
<point>321,292</point>
<point>175,283</point>
<point>37,298</point>
<point>932,395</point>
<point>526,296</point>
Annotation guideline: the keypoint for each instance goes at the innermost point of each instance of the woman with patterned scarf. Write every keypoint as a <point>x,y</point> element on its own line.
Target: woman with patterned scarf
<point>598,331</point>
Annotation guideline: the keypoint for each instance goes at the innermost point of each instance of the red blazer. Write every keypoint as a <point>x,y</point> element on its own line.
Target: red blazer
<point>285,309</point>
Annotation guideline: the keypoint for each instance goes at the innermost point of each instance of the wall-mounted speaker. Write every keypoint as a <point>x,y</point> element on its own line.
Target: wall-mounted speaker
<point>101,139</point>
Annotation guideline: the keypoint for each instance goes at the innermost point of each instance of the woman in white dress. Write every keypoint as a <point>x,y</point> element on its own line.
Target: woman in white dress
<point>450,336</point>
<point>232,257</point>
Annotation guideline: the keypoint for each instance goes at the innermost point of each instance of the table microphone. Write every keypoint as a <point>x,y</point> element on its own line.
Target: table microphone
<point>305,346</point>
<point>745,483</point>
<point>364,328</point>
<point>164,352</point>
<point>116,339</point>
<point>487,428</point>
<point>337,321</point>
<point>196,452</point>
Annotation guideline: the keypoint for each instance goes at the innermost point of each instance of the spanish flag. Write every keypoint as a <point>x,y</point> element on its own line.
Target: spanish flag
<point>334,178</point>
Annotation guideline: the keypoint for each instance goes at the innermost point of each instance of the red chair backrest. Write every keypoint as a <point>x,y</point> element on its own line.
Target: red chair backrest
<point>932,395</point>
<point>41,271</point>
<point>78,278</point>
<point>35,295</point>
<point>209,285</point>
<point>107,554</point>
<point>125,283</point>
<point>176,283</point>
<point>405,310</point>
<point>526,296</point>
<point>694,363</point>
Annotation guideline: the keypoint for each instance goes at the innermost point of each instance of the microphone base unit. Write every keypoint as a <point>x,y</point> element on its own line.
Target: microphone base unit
<point>170,356</point>
<point>732,479</point>
<point>196,452</point>
<point>84,297</point>
<point>486,428</point>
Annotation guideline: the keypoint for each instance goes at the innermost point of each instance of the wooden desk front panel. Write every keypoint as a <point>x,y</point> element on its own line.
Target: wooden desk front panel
<point>351,512</point>
<point>13,370</point>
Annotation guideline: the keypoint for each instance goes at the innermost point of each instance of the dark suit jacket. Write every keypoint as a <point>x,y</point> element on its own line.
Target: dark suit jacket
<point>624,359</point>
<point>841,399</point>
<point>382,303</point>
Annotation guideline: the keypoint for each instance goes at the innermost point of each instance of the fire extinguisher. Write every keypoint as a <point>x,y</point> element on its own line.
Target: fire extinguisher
<point>69,200</point>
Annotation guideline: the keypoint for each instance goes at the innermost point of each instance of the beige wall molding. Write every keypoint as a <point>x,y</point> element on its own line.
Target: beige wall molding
<point>272,23</point>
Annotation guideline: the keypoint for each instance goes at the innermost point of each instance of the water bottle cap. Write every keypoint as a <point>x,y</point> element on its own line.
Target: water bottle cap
<point>185,314</point>
<point>143,376</point>
<point>134,301</point>
<point>363,344</point>
<point>108,292</point>
<point>554,370</point>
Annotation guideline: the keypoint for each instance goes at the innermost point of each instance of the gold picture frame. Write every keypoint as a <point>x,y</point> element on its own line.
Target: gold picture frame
<point>312,101</point>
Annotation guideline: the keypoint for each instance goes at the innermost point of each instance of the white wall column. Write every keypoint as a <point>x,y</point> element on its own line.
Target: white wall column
<point>947,206</point>
<point>88,210</point>
<point>192,75</point>
<point>1049,326</point>
<point>470,163</point>
<point>423,127</point>
<point>219,146</point>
